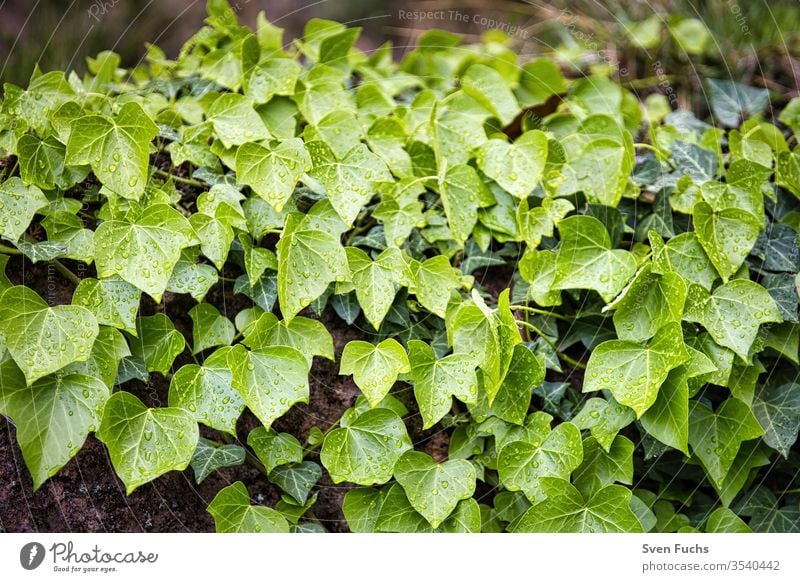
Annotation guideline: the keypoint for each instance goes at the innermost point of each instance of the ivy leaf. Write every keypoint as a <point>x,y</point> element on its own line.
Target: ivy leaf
<point>633,372</point>
<point>732,102</point>
<point>215,238</point>
<point>526,372</point>
<point>210,328</point>
<point>375,281</point>
<point>434,489</point>
<point>365,450</point>
<point>270,379</point>
<point>461,190</point>
<point>53,416</point>
<point>108,350</point>
<point>777,408</point>
<point>437,381</point>
<point>727,236</point>
<point>144,251</point>
<point>158,343</point>
<point>545,453</point>
<point>272,173</point>
<point>296,480</point>
<point>432,282</point>
<point>668,418</point>
<point>112,301</point>
<point>43,339</point>
<point>275,76</point>
<point>117,148</point>
<point>486,86</point>
<point>766,514</point>
<point>585,259</point>
<point>145,443</point>
<point>604,419</point>
<point>374,367</point>
<point>349,183</point>
<point>361,508</point>
<point>517,167</point>
<point>733,313</point>
<point>308,336</point>
<point>19,204</point>
<point>723,520</point>
<point>649,303</point>
<point>274,449</point>
<point>310,257</point>
<point>600,170</point>
<point>233,513</point>
<point>210,457</point>
<point>399,516</point>
<point>565,510</point>
<point>235,121</point>
<point>600,467</point>
<point>685,256</point>
<point>207,392</point>
<point>715,437</point>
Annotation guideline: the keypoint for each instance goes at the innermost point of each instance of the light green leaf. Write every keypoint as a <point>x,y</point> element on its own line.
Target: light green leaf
<point>233,513</point>
<point>117,149</point>
<point>517,167</point>
<point>462,191</point>
<point>374,367</point>
<point>604,419</point>
<point>44,339</point>
<point>144,443</point>
<point>723,520</point>
<point>433,281</point>
<point>210,328</point>
<point>270,379</point>
<point>112,301</point>
<point>256,259</point>
<point>544,453</point>
<point>376,281</point>
<point>108,350</point>
<point>600,170</point>
<point>684,255</point>
<point>210,456</point>
<point>733,313</point>
<point>600,467</point>
<point>41,163</point>
<point>434,489</point>
<point>158,343</point>
<point>275,76</point>
<point>308,336</point>
<point>668,417</point>
<point>310,257</point>
<point>272,173</point>
<point>144,251</point>
<point>488,88</point>
<point>777,408</point>
<point>53,416</point>
<point>633,372</point>
<point>399,516</point>
<point>274,449</point>
<point>18,204</point>
<point>235,121</point>
<point>207,392</point>
<point>437,381</point>
<point>585,259</point>
<point>365,450</point>
<point>566,511</point>
<point>215,237</point>
<point>361,508</point>
<point>715,437</point>
<point>727,236</point>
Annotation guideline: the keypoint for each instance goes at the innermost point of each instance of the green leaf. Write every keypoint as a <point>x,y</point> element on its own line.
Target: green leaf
<point>235,121</point>
<point>374,367</point>
<point>600,169</point>
<point>108,350</point>
<point>733,102</point>
<point>376,281</point>
<point>41,163</point>
<point>777,408</point>
<point>310,257</point>
<point>585,259</point>
<point>349,183</point>
<point>43,339</point>
<point>275,76</point>
<point>270,379</point>
<point>604,419</point>
<point>600,468</point>
<point>144,443</point>
<point>210,457</point>
<point>715,437</point>
<point>566,511</point>
<point>434,489</point>
<point>667,419</point>
<point>53,416</point>
<point>462,191</point>
<point>685,256</point>
<point>517,167</point>
<point>296,480</point>
<point>544,453</point>
<point>207,392</point>
<point>526,372</point>
<point>723,520</point>
<point>732,313</point>
<point>233,513</point>
<point>437,381</point>
<point>272,173</point>
<point>112,301</point>
<point>433,281</point>
<point>308,336</point>
<point>538,81</point>
<point>399,516</point>
<point>158,343</point>
<point>634,372</point>
<point>143,251</point>
<point>117,148</point>
<point>215,238</point>
<point>365,450</point>
<point>18,204</point>
<point>488,88</point>
<point>727,236</point>
<point>361,508</point>
<point>274,449</point>
<point>210,328</point>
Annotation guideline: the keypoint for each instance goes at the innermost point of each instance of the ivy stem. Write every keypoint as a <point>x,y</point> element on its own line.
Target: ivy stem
<point>571,361</point>
<point>66,273</point>
<point>6,250</point>
<point>187,181</point>
<point>646,146</point>
<point>539,312</point>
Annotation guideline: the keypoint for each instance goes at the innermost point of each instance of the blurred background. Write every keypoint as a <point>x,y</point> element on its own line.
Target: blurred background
<point>674,42</point>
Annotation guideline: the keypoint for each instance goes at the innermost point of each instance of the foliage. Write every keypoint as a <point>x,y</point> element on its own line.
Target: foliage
<point>605,332</point>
